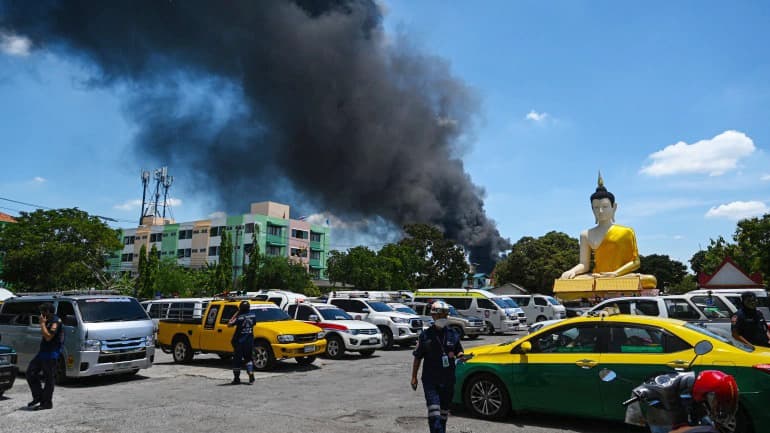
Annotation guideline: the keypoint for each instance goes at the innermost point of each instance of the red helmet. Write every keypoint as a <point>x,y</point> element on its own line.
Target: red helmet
<point>719,392</point>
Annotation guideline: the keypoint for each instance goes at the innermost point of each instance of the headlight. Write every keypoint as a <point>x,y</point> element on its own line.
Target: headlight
<point>353,331</point>
<point>149,340</point>
<point>285,338</point>
<point>399,319</point>
<point>321,335</point>
<point>91,346</point>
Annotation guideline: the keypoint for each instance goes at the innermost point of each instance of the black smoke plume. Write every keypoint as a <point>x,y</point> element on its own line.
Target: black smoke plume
<point>273,99</point>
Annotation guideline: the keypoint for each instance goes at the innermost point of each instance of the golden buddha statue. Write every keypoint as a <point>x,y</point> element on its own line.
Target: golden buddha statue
<point>613,246</point>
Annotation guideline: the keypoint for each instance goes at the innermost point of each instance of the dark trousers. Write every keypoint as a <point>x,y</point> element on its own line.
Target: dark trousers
<point>242,352</point>
<point>438,397</point>
<point>46,367</point>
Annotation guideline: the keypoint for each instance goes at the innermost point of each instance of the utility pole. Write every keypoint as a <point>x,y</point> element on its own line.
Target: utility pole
<point>236,247</point>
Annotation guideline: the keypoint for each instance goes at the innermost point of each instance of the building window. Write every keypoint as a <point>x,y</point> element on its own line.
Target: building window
<point>217,231</point>
<point>299,234</point>
<point>156,237</point>
<point>273,250</point>
<point>128,240</point>
<point>249,228</point>
<point>247,248</point>
<point>213,251</point>
<point>298,252</point>
<point>127,257</point>
<point>180,253</point>
<point>274,230</point>
<point>315,255</point>
<point>315,237</point>
<point>185,234</point>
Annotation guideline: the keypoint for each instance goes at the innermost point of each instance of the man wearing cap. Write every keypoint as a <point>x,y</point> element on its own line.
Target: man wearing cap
<point>749,325</point>
<point>440,347</point>
<point>243,341</point>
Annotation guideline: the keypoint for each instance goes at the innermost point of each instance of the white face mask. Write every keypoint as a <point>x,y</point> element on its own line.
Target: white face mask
<point>440,323</point>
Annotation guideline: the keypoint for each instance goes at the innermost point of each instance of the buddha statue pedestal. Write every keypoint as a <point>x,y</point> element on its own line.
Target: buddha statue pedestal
<point>605,287</point>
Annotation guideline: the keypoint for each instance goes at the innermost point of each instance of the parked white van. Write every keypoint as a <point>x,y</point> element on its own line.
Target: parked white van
<point>176,308</point>
<point>539,307</point>
<point>500,313</point>
<point>103,334</point>
<point>734,295</point>
<point>281,298</point>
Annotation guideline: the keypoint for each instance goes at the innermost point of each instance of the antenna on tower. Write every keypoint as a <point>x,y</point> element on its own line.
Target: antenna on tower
<point>160,174</point>
<point>145,175</point>
<point>167,181</point>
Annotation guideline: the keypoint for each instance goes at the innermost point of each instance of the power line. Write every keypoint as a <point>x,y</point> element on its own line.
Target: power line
<point>50,208</point>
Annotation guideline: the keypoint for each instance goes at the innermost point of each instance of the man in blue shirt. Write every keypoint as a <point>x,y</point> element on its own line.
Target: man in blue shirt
<point>748,324</point>
<point>45,361</point>
<point>440,347</point>
<point>243,341</point>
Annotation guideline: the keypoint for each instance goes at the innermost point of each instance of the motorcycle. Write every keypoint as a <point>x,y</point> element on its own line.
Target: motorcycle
<point>683,401</point>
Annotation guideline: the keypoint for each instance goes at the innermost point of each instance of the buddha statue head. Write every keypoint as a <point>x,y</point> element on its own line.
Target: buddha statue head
<point>603,203</point>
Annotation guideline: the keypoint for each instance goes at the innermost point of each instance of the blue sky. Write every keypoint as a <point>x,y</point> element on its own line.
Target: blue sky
<point>670,100</point>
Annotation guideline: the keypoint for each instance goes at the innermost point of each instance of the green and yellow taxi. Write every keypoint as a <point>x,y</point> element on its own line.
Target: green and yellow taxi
<point>556,369</point>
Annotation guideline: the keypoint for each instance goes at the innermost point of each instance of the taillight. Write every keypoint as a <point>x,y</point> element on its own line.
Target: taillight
<point>763,367</point>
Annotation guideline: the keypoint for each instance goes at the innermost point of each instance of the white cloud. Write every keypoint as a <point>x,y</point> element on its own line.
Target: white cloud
<point>654,207</point>
<point>715,156</point>
<point>38,179</point>
<point>678,237</point>
<point>129,205</point>
<point>535,116</point>
<point>217,214</point>
<point>765,177</point>
<point>14,45</point>
<point>738,210</point>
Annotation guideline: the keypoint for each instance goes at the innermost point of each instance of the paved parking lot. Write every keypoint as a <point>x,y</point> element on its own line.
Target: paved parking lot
<point>350,395</point>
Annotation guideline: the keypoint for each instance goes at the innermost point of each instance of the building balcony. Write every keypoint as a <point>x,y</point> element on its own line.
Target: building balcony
<point>316,263</point>
<point>317,246</point>
<point>276,240</point>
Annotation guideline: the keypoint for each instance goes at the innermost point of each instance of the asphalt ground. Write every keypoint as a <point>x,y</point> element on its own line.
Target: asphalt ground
<point>366,395</point>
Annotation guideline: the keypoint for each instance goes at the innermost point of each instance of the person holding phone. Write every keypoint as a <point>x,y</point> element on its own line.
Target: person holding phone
<point>44,363</point>
<point>440,347</point>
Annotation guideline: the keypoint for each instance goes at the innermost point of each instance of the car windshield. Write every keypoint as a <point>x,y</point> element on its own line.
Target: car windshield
<point>509,303</point>
<point>334,314</point>
<point>111,310</point>
<point>500,302</point>
<point>267,313</point>
<point>406,310</point>
<point>453,312</point>
<point>714,335</point>
<point>552,300</point>
<point>379,306</point>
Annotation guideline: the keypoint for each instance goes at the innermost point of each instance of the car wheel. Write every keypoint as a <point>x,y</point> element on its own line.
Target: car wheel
<point>305,360</point>
<point>540,319</point>
<point>262,356</point>
<point>335,347</point>
<point>490,328</point>
<point>459,331</point>
<point>182,352</point>
<point>486,397</point>
<point>387,337</point>
<point>366,353</point>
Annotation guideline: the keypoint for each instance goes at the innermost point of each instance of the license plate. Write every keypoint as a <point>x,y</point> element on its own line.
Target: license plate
<point>373,341</point>
<point>308,349</point>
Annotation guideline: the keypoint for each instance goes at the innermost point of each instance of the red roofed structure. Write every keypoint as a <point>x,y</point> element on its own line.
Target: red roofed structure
<point>730,276</point>
<point>4,217</point>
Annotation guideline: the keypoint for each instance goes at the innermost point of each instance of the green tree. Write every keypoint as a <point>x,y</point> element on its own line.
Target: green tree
<point>442,262</point>
<point>223,275</point>
<point>687,284</point>
<point>716,252</point>
<point>401,264</point>
<point>252,268</point>
<point>668,272</point>
<point>143,280</point>
<point>172,279</point>
<point>535,263</point>
<point>753,239</point>
<point>697,261</point>
<point>56,249</point>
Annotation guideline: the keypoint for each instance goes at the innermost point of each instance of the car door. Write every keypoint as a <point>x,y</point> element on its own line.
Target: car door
<point>15,332</point>
<point>66,312</point>
<point>561,373</point>
<point>637,352</point>
<point>216,336</point>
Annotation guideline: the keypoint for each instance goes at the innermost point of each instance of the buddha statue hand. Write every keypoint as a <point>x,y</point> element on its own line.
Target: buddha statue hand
<point>568,275</point>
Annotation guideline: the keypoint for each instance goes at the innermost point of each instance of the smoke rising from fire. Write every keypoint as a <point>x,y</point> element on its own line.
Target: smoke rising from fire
<point>304,100</point>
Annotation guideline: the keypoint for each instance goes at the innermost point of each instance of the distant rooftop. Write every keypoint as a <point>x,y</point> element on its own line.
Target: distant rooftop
<point>4,217</point>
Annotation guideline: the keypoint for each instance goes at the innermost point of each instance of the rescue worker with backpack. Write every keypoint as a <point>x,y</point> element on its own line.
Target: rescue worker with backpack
<point>243,342</point>
<point>439,346</point>
<point>45,361</point>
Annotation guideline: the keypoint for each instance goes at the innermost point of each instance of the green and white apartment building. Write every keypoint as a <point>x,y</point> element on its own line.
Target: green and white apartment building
<point>195,244</point>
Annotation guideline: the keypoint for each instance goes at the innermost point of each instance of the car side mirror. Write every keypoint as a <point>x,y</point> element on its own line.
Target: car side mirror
<point>525,347</point>
<point>313,318</point>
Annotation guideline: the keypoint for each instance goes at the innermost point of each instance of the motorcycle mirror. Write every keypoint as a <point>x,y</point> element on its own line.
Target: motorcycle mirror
<point>703,347</point>
<point>607,375</point>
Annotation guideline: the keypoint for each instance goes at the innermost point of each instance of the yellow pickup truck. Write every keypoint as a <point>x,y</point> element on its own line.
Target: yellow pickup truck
<point>276,335</point>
